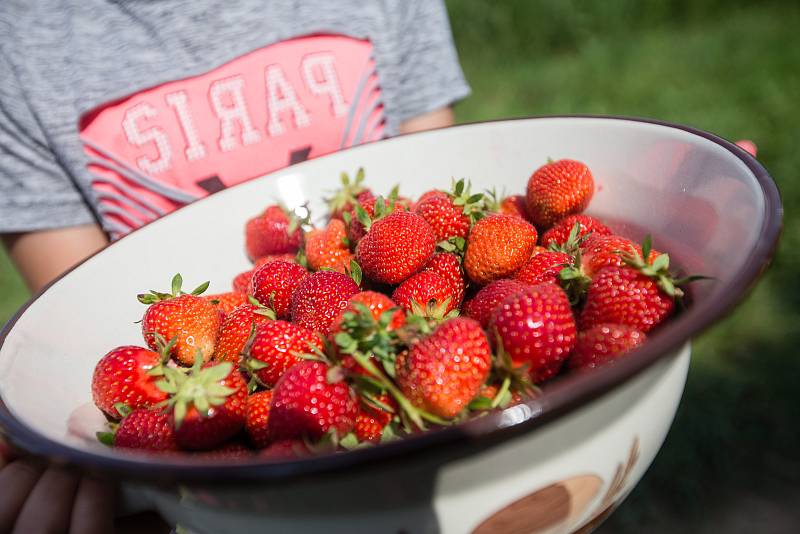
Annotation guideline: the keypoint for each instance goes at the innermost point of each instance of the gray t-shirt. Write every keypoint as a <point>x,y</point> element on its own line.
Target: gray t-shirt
<point>119,111</point>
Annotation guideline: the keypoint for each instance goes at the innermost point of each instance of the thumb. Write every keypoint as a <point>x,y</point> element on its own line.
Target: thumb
<point>749,146</point>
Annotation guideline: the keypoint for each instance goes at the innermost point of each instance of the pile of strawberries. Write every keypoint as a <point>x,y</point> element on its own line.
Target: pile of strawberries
<point>396,317</point>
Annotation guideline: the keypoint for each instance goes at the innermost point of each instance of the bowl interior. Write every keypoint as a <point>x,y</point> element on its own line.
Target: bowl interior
<point>698,196</point>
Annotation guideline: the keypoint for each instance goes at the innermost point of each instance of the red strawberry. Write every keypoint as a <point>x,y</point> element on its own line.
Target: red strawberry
<point>276,347</point>
<point>257,418</point>
<point>308,400</point>
<point>543,267</point>
<point>396,247</point>
<point>448,266</point>
<point>328,248</point>
<point>514,205</point>
<point>263,260</point>
<point>285,449</point>
<point>319,298</point>
<point>124,376</point>
<point>559,233</point>
<point>427,195</point>
<point>444,371</point>
<point>536,328</point>
<point>603,343</point>
<point>241,281</point>
<point>377,303</point>
<point>371,419</point>
<point>209,404</point>
<point>146,429</point>
<point>451,215</point>
<point>429,291</point>
<point>273,283</point>
<point>355,227</point>
<point>624,295</point>
<point>236,330</point>
<point>350,192</point>
<point>226,302</point>
<point>490,392</point>
<point>558,189</point>
<point>233,450</point>
<point>600,251</point>
<point>497,246</point>
<point>481,306</point>
<point>275,231</point>
<point>189,317</point>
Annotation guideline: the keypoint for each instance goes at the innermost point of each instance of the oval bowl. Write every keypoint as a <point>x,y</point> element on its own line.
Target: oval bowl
<point>707,202</point>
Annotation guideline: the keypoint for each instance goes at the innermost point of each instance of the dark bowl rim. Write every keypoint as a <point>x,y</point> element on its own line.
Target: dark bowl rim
<point>561,397</point>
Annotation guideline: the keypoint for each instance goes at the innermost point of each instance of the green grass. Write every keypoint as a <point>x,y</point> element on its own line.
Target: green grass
<point>727,67</point>
<point>730,67</point>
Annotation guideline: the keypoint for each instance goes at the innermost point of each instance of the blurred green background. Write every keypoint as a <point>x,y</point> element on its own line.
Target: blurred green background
<point>731,462</point>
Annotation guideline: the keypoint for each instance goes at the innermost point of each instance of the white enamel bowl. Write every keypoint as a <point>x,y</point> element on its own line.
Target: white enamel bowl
<point>555,464</point>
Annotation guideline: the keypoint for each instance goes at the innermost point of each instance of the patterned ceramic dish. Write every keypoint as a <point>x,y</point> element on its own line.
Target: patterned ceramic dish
<point>708,203</point>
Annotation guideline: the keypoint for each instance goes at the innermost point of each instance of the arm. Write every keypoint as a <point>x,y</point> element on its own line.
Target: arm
<point>428,121</point>
<point>43,255</point>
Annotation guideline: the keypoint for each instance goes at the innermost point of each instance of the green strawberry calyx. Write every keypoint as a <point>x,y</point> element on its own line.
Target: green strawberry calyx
<point>199,388</point>
<point>472,205</point>
<point>177,281</point>
<point>347,194</point>
<point>658,270</point>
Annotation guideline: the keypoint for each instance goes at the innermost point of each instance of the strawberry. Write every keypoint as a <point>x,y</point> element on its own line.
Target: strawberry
<point>257,418</point>
<point>372,419</point>
<point>536,328</point>
<point>226,302</point>
<point>127,375</point>
<point>514,205</point>
<point>444,371</point>
<point>451,215</point>
<point>236,330</point>
<point>277,346</point>
<point>147,430</point>
<point>396,247</point>
<point>559,233</point>
<point>497,246</point>
<point>310,400</point>
<point>189,317</point>
<point>319,298</point>
<point>376,303</point>
<point>275,231</point>
<point>273,283</point>
<point>494,396</point>
<point>603,343</point>
<point>543,267</point>
<point>481,306</point>
<point>285,449</point>
<point>349,193</point>
<point>425,293</point>
<point>427,195</point>
<point>355,218</point>
<point>241,281</point>
<point>233,450</point>
<point>624,295</point>
<point>263,260</point>
<point>599,251</point>
<point>208,402</point>
<point>558,189</point>
<point>328,248</point>
<point>448,266</point>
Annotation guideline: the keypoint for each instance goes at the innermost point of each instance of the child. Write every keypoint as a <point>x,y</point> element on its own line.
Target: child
<point>115,112</point>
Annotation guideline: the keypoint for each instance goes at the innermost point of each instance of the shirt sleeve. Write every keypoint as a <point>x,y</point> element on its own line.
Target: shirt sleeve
<point>36,193</point>
<point>430,74</point>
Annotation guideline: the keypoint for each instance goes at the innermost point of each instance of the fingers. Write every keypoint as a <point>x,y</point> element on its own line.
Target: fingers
<point>6,454</point>
<point>748,146</point>
<point>49,505</point>
<point>93,510</point>
<point>17,479</point>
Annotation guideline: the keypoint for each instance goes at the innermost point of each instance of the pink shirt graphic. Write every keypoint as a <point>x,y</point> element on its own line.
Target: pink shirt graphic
<point>166,146</point>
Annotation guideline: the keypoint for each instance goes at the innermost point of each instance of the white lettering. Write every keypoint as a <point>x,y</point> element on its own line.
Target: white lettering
<point>195,149</point>
<point>327,83</point>
<point>236,112</point>
<point>281,97</point>
<point>138,137</point>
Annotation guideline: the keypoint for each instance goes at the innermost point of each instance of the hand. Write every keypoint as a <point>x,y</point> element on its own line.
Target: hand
<point>52,499</point>
<point>748,146</point>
